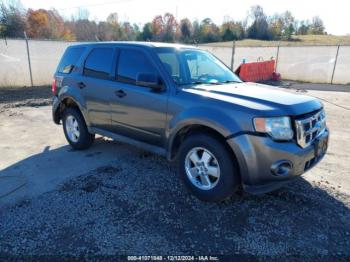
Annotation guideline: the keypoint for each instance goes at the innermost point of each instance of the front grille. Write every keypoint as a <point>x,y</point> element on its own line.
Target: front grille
<point>308,128</point>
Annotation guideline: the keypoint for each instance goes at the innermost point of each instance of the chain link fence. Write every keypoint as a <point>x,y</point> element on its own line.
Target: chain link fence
<point>316,64</point>
<point>35,65</point>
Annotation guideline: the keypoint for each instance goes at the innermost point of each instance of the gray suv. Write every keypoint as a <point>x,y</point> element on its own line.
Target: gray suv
<point>185,104</point>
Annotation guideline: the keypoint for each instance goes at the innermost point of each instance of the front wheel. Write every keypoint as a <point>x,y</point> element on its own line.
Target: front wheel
<point>207,168</point>
<point>75,129</point>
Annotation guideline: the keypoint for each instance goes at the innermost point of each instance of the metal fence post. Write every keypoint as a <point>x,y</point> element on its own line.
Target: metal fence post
<point>335,63</point>
<point>233,54</point>
<point>278,52</point>
<point>28,55</point>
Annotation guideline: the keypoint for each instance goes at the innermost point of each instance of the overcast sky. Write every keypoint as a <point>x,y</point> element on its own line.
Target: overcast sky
<point>335,13</point>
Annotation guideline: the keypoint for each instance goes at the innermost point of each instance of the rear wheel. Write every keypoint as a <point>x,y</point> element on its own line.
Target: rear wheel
<point>75,129</point>
<point>207,168</point>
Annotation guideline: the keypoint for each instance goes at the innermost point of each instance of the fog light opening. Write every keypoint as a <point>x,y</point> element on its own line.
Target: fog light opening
<point>281,168</point>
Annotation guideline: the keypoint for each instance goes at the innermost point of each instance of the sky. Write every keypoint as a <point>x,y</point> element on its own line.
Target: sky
<point>335,13</point>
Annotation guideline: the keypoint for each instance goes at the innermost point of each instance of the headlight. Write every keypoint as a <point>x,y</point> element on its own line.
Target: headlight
<point>279,128</point>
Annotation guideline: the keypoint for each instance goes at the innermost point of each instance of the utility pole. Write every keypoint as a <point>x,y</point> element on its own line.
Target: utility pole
<point>277,55</point>
<point>28,56</point>
<point>335,64</point>
<point>233,54</point>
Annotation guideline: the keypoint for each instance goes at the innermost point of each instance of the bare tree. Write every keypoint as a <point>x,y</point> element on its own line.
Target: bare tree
<point>316,26</point>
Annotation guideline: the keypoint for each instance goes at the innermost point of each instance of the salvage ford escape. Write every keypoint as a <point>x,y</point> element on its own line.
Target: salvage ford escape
<point>183,103</point>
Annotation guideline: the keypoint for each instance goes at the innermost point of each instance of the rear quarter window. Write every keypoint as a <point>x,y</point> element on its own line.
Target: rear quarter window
<point>70,59</point>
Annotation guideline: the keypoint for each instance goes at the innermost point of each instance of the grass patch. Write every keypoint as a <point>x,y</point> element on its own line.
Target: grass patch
<point>299,40</point>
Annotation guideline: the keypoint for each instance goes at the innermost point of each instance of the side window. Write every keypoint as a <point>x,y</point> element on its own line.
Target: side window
<point>99,63</point>
<point>131,63</point>
<point>69,59</point>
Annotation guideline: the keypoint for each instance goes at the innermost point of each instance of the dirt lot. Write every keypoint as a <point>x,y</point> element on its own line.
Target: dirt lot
<point>117,199</point>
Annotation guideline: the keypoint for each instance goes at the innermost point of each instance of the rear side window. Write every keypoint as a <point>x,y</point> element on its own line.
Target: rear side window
<point>99,63</point>
<point>131,63</point>
<point>70,59</point>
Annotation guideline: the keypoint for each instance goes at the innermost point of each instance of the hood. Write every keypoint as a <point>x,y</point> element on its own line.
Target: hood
<point>258,97</point>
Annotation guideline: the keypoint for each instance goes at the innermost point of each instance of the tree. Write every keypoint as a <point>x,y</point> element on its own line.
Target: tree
<point>164,28</point>
<point>113,30</point>
<point>136,32</point>
<point>288,25</point>
<point>282,25</point>
<point>157,27</point>
<point>38,24</point>
<point>303,28</point>
<point>49,24</point>
<point>288,32</point>
<point>12,20</point>
<point>44,24</point>
<point>128,32</point>
<point>56,24</point>
<point>107,31</point>
<point>85,30</point>
<point>259,28</point>
<point>112,18</point>
<point>186,30</point>
<point>170,30</point>
<point>316,26</point>
<point>146,34</point>
<point>196,32</point>
<point>276,25</point>
<point>209,32</point>
<point>68,34</point>
<point>227,35</point>
<point>231,30</point>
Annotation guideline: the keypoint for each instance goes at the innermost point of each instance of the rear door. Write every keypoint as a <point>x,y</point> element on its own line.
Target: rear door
<point>65,72</point>
<point>137,111</point>
<point>95,83</point>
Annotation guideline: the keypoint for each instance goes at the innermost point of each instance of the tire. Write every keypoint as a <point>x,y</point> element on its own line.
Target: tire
<point>79,138</point>
<point>220,159</point>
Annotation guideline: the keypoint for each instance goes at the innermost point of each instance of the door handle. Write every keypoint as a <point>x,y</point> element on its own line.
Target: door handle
<point>120,93</point>
<point>81,85</point>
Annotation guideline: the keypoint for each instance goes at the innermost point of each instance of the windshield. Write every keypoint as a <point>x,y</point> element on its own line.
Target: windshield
<point>193,66</point>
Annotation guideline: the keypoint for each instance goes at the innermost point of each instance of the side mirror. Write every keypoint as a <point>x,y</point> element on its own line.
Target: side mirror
<point>149,80</point>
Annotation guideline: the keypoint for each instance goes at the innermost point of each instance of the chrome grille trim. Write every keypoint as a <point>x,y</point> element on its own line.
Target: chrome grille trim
<point>307,129</point>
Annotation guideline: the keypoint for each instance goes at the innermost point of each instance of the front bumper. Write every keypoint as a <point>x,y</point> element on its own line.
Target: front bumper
<point>257,155</point>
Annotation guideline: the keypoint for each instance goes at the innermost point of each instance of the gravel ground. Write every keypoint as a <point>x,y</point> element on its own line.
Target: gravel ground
<point>136,205</point>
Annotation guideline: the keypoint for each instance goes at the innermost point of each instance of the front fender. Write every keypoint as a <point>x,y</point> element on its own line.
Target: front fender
<point>209,117</point>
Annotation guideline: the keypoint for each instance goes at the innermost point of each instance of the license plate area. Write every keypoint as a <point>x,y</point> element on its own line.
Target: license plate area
<point>321,145</point>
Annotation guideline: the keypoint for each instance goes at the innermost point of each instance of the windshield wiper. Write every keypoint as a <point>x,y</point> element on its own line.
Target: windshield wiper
<point>199,83</point>
<point>230,81</point>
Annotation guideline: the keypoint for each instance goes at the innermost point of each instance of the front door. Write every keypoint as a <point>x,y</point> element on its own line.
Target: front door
<point>137,111</point>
